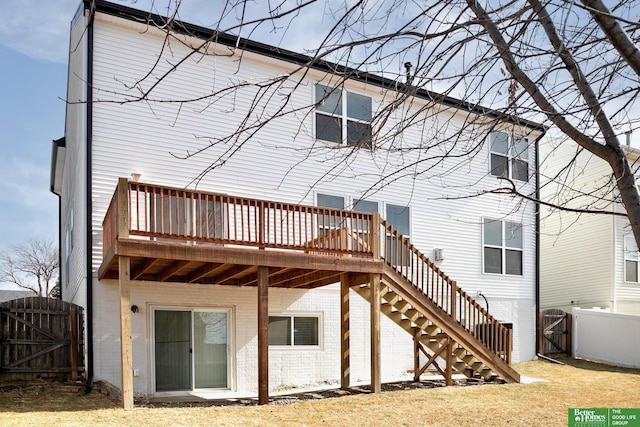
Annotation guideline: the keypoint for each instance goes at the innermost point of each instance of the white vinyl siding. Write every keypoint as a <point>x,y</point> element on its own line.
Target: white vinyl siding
<point>581,257</point>
<point>286,169</point>
<point>278,164</point>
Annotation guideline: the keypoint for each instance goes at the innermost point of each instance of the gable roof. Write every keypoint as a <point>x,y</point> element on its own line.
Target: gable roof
<point>252,46</point>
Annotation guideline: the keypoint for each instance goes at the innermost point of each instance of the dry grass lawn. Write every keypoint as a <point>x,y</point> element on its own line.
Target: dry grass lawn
<point>579,384</point>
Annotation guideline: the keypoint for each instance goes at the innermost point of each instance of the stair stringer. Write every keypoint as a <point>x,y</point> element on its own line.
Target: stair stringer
<point>405,289</point>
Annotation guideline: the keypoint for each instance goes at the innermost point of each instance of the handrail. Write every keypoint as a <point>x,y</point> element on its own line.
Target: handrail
<point>202,217</point>
<point>400,254</point>
<point>159,212</point>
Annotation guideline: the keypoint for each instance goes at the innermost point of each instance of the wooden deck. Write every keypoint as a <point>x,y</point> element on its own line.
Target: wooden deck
<point>173,235</point>
<point>162,234</point>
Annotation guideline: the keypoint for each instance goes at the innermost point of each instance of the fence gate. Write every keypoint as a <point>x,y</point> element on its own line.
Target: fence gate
<point>554,333</point>
<point>41,335</point>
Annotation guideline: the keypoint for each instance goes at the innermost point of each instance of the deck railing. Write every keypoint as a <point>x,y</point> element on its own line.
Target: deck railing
<point>172,214</point>
<point>425,276</point>
<point>201,217</point>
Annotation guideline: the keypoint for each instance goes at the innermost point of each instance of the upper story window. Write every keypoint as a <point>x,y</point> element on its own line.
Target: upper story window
<point>503,247</point>
<point>631,260</point>
<point>509,156</point>
<point>343,117</point>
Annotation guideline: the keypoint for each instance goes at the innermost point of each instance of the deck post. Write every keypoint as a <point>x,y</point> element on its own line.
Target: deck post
<point>416,355</point>
<point>374,284</point>
<point>375,236</point>
<point>126,362</point>
<point>568,344</point>
<point>73,323</point>
<point>123,207</point>
<point>345,351</point>
<point>263,335</point>
<point>449,368</point>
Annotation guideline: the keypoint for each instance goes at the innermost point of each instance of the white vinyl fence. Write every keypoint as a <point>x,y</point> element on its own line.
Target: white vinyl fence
<point>606,337</point>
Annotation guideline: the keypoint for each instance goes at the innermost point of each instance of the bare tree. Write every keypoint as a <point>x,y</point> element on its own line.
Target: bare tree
<point>573,66</point>
<point>32,265</point>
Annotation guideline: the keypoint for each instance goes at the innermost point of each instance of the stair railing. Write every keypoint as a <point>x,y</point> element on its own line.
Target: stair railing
<point>424,275</point>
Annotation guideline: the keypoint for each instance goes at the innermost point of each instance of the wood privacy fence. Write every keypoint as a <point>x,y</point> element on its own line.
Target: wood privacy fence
<point>41,336</point>
<point>554,332</point>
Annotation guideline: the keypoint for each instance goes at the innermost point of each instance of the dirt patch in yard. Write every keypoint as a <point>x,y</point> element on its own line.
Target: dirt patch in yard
<point>294,396</point>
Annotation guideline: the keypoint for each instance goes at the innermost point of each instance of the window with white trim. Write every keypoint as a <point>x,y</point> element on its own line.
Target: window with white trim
<point>294,330</point>
<point>329,222</point>
<point>367,206</point>
<point>343,117</point>
<point>631,260</point>
<point>502,247</point>
<point>395,251</point>
<point>509,156</point>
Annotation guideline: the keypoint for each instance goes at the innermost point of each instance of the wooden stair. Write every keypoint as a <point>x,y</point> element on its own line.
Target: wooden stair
<point>416,313</point>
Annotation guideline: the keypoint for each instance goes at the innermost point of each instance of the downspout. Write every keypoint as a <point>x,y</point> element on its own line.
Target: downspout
<point>55,147</point>
<point>614,265</point>
<point>89,208</point>
<point>59,197</point>
<point>537,239</point>
<point>60,245</point>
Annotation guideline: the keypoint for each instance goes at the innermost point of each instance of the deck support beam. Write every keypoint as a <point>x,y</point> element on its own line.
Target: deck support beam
<point>374,284</point>
<point>417,369</point>
<point>345,350</point>
<point>263,335</point>
<point>126,362</point>
<point>449,368</point>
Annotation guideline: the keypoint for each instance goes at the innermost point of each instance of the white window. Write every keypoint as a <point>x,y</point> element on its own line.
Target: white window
<point>399,217</point>
<point>631,259</point>
<point>362,205</point>
<point>502,246</point>
<point>343,117</point>
<point>328,222</point>
<point>395,251</point>
<point>509,156</point>
<point>294,330</point>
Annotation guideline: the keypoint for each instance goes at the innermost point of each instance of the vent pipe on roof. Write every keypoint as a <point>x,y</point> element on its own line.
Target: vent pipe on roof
<point>628,133</point>
<point>407,66</point>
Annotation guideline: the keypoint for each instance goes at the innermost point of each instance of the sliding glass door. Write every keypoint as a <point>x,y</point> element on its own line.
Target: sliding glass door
<point>210,349</point>
<point>191,349</point>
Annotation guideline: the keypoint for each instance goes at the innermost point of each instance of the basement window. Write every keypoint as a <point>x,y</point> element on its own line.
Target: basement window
<point>294,330</point>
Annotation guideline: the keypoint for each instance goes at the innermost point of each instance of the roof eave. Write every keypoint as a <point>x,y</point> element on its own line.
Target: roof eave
<point>301,60</point>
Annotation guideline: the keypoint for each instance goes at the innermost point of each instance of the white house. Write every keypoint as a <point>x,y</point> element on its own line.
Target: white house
<point>249,277</point>
<point>587,260</point>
